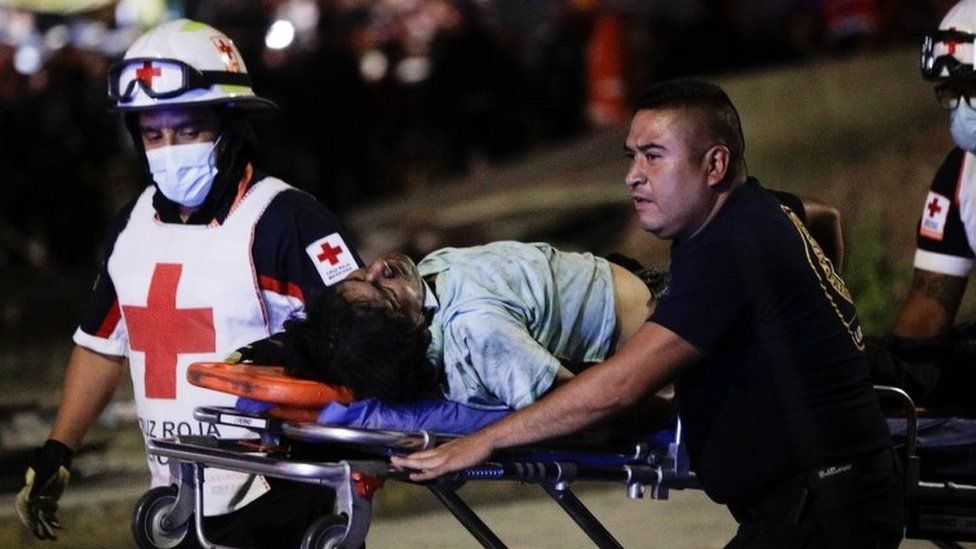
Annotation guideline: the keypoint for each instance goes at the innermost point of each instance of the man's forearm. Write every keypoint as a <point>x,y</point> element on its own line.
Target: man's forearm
<point>89,384</point>
<point>651,358</point>
<point>645,364</point>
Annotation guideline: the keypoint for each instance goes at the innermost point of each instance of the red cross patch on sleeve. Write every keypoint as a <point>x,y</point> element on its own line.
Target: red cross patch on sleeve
<point>934,216</point>
<point>332,258</point>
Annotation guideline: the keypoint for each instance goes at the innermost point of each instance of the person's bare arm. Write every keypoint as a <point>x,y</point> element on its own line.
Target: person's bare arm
<point>649,360</point>
<point>931,305</point>
<point>825,226</point>
<point>89,384</point>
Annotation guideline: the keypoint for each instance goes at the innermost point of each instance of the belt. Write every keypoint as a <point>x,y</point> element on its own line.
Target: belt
<point>788,497</point>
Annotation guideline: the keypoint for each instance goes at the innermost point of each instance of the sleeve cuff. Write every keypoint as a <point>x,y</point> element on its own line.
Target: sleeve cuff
<point>943,264</point>
<point>98,344</point>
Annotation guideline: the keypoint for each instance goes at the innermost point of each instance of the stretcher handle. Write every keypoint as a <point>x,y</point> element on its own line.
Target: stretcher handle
<point>265,384</point>
<point>911,415</point>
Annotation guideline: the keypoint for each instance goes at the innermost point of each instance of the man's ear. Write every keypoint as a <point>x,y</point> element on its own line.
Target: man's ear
<point>717,161</point>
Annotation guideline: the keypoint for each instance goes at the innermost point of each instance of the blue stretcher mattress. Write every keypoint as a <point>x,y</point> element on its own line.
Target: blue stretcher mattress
<point>946,447</point>
<point>437,416</point>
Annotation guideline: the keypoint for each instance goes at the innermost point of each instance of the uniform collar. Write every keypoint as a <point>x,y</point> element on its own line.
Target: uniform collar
<point>213,212</point>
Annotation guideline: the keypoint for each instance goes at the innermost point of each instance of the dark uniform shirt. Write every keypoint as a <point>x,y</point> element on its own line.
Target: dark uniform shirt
<point>784,387</point>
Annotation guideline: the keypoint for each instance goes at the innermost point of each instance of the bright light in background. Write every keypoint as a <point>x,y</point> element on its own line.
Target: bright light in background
<point>27,59</point>
<point>57,37</point>
<point>280,35</point>
<point>89,34</point>
<point>144,13</point>
<point>304,14</point>
<point>373,65</point>
<point>18,26</point>
<point>413,70</point>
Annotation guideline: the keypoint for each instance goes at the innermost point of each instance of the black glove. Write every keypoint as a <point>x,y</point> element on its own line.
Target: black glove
<point>914,365</point>
<point>962,339</point>
<point>45,481</point>
<point>275,350</point>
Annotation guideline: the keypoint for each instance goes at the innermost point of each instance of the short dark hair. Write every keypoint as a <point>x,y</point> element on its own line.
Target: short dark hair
<point>375,352</point>
<point>720,115</point>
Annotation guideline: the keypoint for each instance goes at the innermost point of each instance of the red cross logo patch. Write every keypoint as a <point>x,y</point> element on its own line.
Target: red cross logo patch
<point>228,53</point>
<point>330,254</point>
<point>163,331</point>
<point>147,73</point>
<point>332,258</point>
<point>934,216</point>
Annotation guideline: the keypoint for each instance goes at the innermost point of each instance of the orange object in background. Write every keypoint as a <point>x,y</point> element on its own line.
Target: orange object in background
<point>606,88</point>
<point>266,384</point>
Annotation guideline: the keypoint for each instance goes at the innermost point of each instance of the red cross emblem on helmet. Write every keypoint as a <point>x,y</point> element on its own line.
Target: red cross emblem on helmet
<point>228,53</point>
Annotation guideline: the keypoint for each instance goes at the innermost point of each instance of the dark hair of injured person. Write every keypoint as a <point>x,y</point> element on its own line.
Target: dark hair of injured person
<point>375,352</point>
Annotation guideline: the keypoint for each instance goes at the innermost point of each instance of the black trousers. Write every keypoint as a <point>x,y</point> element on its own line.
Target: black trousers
<point>277,519</point>
<point>857,504</point>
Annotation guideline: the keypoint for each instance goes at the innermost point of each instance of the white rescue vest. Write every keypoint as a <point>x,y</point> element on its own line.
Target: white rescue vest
<point>188,293</point>
<point>967,198</point>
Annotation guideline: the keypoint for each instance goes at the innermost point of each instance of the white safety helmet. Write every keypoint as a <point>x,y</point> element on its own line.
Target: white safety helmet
<point>182,62</point>
<point>948,54</point>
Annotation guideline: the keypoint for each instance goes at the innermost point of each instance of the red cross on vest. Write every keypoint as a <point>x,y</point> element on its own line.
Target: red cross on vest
<point>147,73</point>
<point>330,253</point>
<point>162,331</point>
<point>934,207</point>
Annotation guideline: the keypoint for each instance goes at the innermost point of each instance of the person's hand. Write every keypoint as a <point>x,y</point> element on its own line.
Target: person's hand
<point>455,455</point>
<point>270,351</point>
<point>45,480</point>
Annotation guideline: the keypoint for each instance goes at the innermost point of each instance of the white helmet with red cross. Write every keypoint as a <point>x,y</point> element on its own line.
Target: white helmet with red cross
<point>948,54</point>
<point>179,63</point>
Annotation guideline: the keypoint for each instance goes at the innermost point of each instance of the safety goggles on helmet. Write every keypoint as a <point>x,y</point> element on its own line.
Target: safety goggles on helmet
<point>949,95</point>
<point>947,65</point>
<point>164,79</point>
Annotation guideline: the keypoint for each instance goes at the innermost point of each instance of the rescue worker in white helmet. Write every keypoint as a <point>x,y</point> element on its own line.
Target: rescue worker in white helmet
<point>212,254</point>
<point>934,360</point>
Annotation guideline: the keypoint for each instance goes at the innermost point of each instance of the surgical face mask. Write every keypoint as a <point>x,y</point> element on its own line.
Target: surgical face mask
<point>962,126</point>
<point>184,173</point>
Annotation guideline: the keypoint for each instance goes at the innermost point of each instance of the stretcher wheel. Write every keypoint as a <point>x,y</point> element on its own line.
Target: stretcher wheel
<point>147,522</point>
<point>325,532</point>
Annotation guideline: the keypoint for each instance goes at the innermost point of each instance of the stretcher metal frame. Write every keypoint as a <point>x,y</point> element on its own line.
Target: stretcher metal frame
<point>641,468</point>
<point>943,512</point>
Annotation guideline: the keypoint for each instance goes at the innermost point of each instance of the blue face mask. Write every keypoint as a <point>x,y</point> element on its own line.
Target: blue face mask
<point>184,173</point>
<point>962,126</point>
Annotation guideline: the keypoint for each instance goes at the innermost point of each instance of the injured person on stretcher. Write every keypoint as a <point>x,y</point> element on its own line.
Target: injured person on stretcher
<point>494,327</point>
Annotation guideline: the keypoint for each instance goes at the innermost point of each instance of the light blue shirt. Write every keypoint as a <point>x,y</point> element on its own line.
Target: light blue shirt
<point>508,314</point>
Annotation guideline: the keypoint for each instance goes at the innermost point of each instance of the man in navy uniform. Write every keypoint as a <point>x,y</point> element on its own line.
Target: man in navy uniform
<point>757,331</point>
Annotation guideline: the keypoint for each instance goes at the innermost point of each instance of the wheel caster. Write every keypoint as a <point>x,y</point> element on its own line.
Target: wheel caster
<point>149,528</point>
<point>325,532</point>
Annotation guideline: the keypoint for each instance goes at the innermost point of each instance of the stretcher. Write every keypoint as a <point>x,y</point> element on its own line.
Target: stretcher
<point>939,467</point>
<point>653,465</point>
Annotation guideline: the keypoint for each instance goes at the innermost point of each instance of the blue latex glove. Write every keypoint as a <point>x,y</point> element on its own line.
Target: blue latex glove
<point>252,406</point>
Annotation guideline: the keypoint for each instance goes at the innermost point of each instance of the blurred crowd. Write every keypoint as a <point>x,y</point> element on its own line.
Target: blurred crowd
<point>381,96</point>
